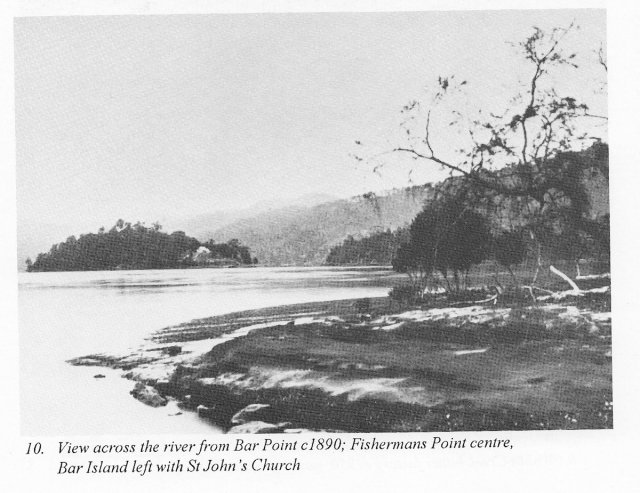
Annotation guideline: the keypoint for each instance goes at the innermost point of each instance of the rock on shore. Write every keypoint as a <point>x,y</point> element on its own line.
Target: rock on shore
<point>148,395</point>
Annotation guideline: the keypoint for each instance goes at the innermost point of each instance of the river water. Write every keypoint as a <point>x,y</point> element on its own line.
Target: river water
<point>63,315</point>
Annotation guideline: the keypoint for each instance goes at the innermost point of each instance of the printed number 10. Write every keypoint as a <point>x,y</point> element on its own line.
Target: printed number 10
<point>36,448</point>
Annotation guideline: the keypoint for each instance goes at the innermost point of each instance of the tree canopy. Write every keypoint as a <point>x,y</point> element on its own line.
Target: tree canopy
<point>447,236</point>
<point>529,162</point>
<point>376,249</point>
<point>133,246</point>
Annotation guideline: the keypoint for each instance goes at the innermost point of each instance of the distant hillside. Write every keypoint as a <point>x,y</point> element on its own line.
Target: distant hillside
<point>305,235</point>
<point>37,237</point>
<point>204,226</point>
<point>504,214</point>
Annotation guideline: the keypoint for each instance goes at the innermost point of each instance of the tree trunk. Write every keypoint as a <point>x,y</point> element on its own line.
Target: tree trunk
<point>538,263</point>
<point>515,279</point>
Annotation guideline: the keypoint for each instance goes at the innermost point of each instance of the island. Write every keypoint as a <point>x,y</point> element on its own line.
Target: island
<point>129,246</point>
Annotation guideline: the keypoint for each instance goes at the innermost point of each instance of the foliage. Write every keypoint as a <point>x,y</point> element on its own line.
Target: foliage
<point>127,246</point>
<point>409,259</point>
<point>376,249</point>
<point>532,158</point>
<point>510,248</point>
<point>405,294</point>
<point>230,250</point>
<point>448,235</point>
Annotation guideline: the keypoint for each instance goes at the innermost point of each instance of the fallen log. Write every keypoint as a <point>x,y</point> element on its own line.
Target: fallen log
<point>573,285</point>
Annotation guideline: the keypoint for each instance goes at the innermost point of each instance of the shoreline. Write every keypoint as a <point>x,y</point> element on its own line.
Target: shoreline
<point>239,266</point>
<point>370,365</point>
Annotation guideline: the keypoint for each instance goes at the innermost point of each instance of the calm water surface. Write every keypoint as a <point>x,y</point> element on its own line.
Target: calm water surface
<point>69,314</point>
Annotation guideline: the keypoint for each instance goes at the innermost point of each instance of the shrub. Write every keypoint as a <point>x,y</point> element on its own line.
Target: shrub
<point>448,235</point>
<point>510,248</point>
<point>405,294</point>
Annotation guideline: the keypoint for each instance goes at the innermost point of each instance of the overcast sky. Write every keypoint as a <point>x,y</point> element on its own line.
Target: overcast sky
<point>159,117</point>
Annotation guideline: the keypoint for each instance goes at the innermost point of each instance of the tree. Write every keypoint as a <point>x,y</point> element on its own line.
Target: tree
<point>448,235</point>
<point>413,262</point>
<point>534,153</point>
<point>510,249</point>
<point>378,248</point>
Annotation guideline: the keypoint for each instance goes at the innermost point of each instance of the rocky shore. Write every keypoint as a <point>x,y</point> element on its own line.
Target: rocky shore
<point>371,366</point>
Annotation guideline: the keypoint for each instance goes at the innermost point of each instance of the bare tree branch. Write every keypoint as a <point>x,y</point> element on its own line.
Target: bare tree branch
<point>602,58</point>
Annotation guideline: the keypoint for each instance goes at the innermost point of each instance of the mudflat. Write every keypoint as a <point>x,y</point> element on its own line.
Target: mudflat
<point>372,365</point>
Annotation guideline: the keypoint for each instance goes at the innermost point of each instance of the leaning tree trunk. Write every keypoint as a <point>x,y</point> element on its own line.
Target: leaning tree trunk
<point>538,263</point>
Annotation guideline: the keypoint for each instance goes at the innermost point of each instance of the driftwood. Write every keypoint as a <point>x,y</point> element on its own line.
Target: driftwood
<point>492,298</point>
<point>557,272</point>
<point>606,275</point>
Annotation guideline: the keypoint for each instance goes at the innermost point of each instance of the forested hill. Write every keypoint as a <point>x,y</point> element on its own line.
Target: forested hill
<point>376,249</point>
<point>586,173</point>
<point>135,246</point>
<point>305,236</point>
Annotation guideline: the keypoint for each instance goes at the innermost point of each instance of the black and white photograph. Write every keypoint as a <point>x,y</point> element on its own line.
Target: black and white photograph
<point>291,223</point>
<point>295,244</point>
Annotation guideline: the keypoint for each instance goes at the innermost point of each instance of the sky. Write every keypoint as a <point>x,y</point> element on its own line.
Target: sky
<point>164,117</point>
